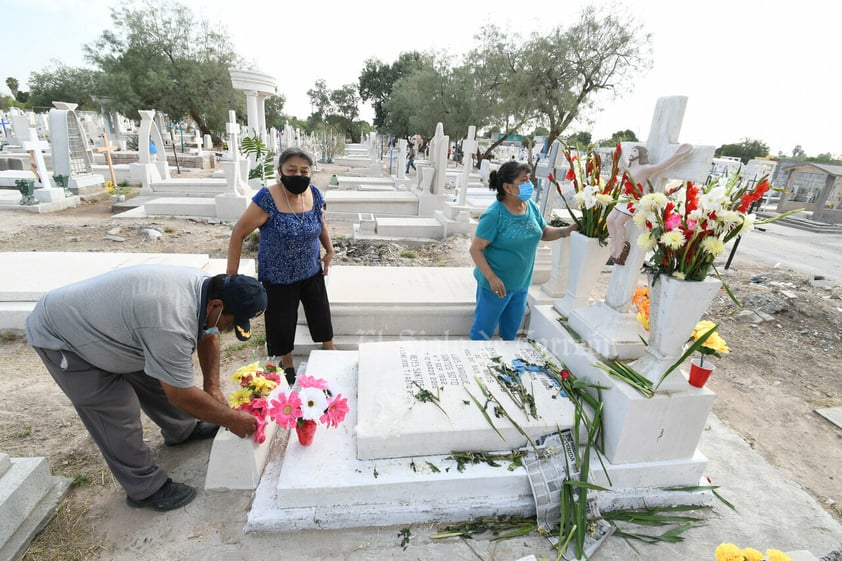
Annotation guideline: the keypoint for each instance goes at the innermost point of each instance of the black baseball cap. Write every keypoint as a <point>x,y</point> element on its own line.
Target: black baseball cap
<point>245,298</point>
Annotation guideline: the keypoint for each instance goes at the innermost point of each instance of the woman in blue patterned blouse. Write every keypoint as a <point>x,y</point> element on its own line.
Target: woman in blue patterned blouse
<point>290,215</point>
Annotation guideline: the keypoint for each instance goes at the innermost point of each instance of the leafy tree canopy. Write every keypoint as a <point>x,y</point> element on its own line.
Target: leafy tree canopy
<point>745,150</point>
<point>159,57</point>
<point>579,139</point>
<point>618,137</point>
<point>64,83</point>
<point>378,78</point>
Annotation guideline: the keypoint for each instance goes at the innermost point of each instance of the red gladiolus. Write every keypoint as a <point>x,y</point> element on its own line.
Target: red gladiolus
<point>571,175</point>
<point>565,374</point>
<point>551,177</point>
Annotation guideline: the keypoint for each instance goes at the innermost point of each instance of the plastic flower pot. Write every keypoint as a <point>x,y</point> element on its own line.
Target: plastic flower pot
<point>700,374</point>
<point>306,431</point>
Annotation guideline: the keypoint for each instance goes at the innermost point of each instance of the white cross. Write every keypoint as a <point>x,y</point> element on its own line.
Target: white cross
<point>107,149</point>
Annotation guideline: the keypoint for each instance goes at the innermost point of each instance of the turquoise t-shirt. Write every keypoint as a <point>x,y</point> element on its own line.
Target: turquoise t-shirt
<point>514,239</point>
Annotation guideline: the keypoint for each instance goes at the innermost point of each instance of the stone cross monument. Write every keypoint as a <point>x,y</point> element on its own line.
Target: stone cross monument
<point>610,326</point>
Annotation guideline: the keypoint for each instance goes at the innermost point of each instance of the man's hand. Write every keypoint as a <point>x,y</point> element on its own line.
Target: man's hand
<point>243,424</point>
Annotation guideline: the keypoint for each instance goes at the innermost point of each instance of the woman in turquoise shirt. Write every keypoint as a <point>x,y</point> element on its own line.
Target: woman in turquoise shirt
<point>503,250</point>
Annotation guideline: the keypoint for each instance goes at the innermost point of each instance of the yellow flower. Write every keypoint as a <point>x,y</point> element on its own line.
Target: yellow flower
<point>244,371</point>
<point>679,275</point>
<point>777,555</point>
<point>716,343</point>
<point>752,554</point>
<point>239,397</point>
<point>262,386</point>
<point>673,239</point>
<point>728,552</point>
<point>647,242</point>
<point>643,319</point>
<point>713,245</point>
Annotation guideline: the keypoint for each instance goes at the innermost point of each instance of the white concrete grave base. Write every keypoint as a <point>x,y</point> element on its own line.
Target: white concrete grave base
<point>587,258</point>
<point>665,427</point>
<point>610,332</point>
<point>325,486</point>
<point>392,422</point>
<point>675,308</point>
<point>237,463</point>
<point>29,497</point>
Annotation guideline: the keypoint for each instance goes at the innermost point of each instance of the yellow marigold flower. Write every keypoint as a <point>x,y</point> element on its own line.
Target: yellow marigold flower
<point>673,239</point>
<point>752,554</point>
<point>647,242</point>
<point>239,397</point>
<point>728,552</point>
<point>777,555</point>
<point>713,245</point>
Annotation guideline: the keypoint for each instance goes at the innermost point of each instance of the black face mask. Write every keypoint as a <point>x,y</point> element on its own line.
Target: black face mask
<point>295,184</point>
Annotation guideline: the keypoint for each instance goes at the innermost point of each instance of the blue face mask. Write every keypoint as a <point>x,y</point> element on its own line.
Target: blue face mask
<point>213,330</point>
<point>525,191</point>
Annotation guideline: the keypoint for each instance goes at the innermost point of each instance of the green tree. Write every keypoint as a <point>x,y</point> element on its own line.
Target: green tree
<point>13,85</point>
<point>555,78</point>
<point>745,150</point>
<point>618,137</point>
<point>64,83</point>
<point>798,152</point>
<point>273,108</point>
<point>579,139</point>
<point>378,78</point>
<point>159,57</point>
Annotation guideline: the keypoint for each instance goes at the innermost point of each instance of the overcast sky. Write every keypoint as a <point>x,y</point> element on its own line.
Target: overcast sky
<point>752,69</point>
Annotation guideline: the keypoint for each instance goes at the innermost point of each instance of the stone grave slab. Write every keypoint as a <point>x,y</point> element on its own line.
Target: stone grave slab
<point>39,272</point>
<point>393,423</point>
<point>325,485</point>
<point>832,414</point>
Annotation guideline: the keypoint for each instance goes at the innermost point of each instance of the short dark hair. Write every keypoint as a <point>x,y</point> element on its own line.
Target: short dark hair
<point>507,173</point>
<point>293,151</point>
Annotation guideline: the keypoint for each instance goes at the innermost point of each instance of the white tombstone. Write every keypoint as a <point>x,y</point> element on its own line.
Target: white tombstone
<point>401,171</point>
<point>438,160</point>
<point>392,422</point>
<point>208,140</point>
<point>469,146</point>
<point>48,193</point>
<point>71,149</point>
<point>233,202</point>
<point>610,326</point>
<point>150,167</point>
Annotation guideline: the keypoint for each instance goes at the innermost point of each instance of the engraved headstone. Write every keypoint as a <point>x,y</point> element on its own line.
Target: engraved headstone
<point>395,421</point>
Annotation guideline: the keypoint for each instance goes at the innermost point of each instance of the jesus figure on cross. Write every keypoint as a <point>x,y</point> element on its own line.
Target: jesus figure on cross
<point>640,171</point>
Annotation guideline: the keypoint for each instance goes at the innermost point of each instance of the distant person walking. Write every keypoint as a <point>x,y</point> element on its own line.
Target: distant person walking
<point>503,250</point>
<point>410,157</point>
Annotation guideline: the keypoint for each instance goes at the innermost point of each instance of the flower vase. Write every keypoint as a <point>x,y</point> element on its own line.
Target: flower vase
<point>699,374</point>
<point>587,258</point>
<point>306,431</point>
<point>675,307</point>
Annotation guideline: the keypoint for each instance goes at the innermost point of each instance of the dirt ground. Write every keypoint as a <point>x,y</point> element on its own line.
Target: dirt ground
<point>783,364</point>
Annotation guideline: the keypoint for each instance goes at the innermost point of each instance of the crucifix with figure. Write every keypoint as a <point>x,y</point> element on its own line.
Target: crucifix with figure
<point>610,326</point>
